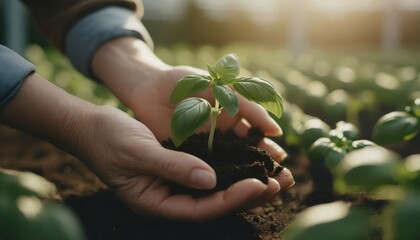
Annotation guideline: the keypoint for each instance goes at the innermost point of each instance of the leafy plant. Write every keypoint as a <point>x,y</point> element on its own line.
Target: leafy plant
<point>399,125</point>
<point>366,169</point>
<point>336,220</point>
<point>331,149</point>
<point>25,216</point>
<point>192,113</point>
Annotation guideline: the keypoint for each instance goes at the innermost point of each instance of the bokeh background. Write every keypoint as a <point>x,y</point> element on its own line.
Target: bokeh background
<point>348,60</point>
<point>292,24</point>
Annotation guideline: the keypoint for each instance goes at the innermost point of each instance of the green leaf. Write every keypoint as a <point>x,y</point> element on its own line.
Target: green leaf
<point>320,148</point>
<point>405,219</point>
<point>330,221</point>
<point>189,85</point>
<point>15,184</point>
<point>349,130</point>
<point>261,92</point>
<point>395,127</point>
<point>227,68</point>
<point>359,144</point>
<point>227,99</point>
<point>334,157</point>
<point>214,73</point>
<point>314,129</point>
<point>412,171</point>
<point>415,108</point>
<point>52,222</point>
<point>367,169</point>
<point>190,114</point>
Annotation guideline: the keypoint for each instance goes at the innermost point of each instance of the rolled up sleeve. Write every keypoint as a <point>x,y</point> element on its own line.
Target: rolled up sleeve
<point>93,30</point>
<point>13,71</point>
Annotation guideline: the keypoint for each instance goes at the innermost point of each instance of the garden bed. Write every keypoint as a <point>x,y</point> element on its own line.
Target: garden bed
<point>103,216</point>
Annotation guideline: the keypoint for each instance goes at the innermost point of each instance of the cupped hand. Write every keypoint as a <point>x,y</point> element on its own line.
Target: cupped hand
<point>152,107</point>
<point>130,160</point>
<point>137,167</point>
<point>144,83</point>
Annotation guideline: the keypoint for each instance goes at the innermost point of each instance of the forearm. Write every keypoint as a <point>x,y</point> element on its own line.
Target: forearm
<point>45,111</point>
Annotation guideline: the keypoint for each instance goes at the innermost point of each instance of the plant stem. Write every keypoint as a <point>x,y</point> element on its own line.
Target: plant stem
<point>213,118</point>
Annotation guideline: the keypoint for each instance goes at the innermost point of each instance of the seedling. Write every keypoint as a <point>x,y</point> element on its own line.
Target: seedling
<point>398,126</point>
<point>192,113</point>
<point>332,148</point>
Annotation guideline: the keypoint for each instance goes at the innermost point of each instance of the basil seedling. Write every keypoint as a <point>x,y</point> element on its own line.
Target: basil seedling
<point>398,126</point>
<point>192,113</point>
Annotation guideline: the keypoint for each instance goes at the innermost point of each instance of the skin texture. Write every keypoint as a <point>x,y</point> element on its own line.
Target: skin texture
<point>144,83</point>
<point>125,152</point>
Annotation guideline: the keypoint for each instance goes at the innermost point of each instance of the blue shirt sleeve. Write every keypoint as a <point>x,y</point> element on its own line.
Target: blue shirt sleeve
<point>13,71</point>
<point>89,33</point>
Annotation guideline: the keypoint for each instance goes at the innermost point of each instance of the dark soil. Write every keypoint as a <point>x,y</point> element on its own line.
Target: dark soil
<point>104,216</point>
<point>232,158</point>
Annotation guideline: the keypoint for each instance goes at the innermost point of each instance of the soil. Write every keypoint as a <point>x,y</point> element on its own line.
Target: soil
<point>104,216</point>
<point>232,158</point>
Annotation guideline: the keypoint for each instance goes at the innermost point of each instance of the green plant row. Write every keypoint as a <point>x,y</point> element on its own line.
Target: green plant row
<point>361,166</point>
<point>352,91</point>
<point>376,171</point>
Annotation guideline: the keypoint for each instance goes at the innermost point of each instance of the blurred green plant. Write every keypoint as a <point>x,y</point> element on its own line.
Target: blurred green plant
<point>330,221</point>
<point>385,175</point>
<point>398,126</point>
<point>322,89</point>
<point>24,213</point>
<point>331,149</point>
<point>380,173</point>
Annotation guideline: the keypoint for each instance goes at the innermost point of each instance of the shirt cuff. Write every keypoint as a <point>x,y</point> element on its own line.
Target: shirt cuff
<point>13,71</point>
<point>89,33</point>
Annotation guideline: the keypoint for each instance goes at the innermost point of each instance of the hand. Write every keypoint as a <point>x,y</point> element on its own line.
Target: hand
<point>125,154</point>
<point>144,83</point>
<point>129,159</point>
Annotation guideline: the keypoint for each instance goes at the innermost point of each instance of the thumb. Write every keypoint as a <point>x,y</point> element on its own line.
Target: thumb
<point>182,168</point>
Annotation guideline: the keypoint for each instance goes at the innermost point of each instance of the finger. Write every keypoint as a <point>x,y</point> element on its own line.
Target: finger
<point>180,167</point>
<point>257,116</point>
<point>271,192</point>
<point>275,151</point>
<point>184,207</point>
<point>285,179</point>
<point>241,128</point>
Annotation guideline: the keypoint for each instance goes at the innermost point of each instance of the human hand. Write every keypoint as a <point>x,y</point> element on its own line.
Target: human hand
<point>144,83</point>
<point>125,154</point>
<point>130,160</point>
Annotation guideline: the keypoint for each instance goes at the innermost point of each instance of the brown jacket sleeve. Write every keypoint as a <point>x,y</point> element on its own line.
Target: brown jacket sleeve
<point>53,18</point>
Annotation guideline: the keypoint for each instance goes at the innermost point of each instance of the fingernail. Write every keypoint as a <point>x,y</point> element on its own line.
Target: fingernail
<point>279,130</point>
<point>285,179</point>
<point>203,179</point>
<point>278,154</point>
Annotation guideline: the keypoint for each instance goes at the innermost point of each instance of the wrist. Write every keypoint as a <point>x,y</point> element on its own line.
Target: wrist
<point>126,64</point>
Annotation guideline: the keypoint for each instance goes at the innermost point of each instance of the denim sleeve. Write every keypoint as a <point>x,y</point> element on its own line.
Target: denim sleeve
<point>89,33</point>
<point>13,71</point>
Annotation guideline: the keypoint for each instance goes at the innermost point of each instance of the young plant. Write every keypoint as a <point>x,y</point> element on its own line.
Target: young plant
<point>192,113</point>
<point>398,126</point>
<point>331,149</point>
